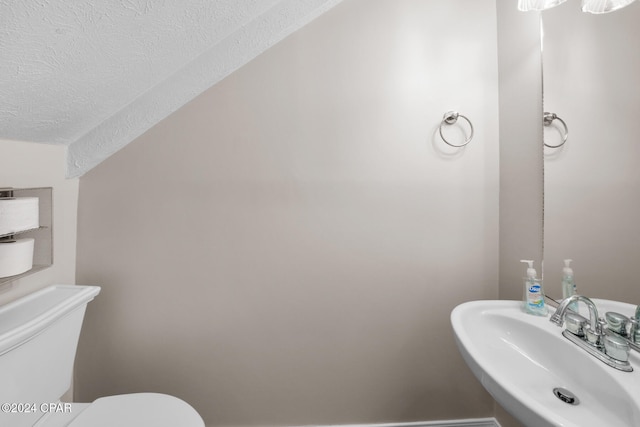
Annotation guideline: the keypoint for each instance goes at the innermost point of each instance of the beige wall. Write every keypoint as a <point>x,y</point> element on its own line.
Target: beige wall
<point>286,249</point>
<point>39,165</point>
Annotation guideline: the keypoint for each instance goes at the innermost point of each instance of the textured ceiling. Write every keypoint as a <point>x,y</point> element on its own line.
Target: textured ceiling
<point>95,74</point>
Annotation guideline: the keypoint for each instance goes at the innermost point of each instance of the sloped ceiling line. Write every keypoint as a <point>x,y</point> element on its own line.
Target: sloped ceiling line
<point>96,75</point>
<point>202,73</point>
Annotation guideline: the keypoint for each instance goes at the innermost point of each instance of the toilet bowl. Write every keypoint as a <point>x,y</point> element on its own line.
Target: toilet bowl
<point>38,340</point>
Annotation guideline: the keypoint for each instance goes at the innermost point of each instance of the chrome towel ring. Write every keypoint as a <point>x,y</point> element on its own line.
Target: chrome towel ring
<point>450,117</point>
<point>548,119</point>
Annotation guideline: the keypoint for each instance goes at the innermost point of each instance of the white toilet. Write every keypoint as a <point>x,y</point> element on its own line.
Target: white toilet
<point>38,339</point>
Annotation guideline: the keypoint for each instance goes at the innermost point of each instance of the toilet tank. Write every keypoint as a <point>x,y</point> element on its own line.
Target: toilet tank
<point>38,340</point>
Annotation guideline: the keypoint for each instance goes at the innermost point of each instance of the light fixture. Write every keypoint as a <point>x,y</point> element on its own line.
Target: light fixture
<point>604,6</point>
<point>589,6</point>
<point>526,5</point>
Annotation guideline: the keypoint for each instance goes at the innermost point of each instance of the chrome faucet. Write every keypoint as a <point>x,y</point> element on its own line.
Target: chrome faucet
<point>594,320</point>
<point>610,349</point>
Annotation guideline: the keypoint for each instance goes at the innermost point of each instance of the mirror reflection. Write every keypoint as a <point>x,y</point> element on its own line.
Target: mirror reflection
<point>592,182</point>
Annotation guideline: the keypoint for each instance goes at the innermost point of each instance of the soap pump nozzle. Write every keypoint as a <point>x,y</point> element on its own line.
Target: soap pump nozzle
<point>567,270</point>
<point>531,272</point>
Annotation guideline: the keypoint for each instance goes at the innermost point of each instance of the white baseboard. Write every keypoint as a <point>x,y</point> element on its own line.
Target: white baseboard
<point>471,422</point>
<point>475,422</point>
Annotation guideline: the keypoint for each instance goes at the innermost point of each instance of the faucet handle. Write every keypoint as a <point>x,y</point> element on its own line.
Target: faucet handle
<point>617,323</point>
<point>575,323</point>
<point>616,347</point>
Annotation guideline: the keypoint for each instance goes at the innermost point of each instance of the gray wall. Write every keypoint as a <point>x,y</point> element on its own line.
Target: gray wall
<point>286,249</point>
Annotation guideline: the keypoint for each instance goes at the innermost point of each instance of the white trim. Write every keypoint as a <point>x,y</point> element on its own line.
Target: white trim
<point>472,422</point>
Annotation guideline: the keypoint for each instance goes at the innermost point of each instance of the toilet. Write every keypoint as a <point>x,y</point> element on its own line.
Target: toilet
<point>38,340</point>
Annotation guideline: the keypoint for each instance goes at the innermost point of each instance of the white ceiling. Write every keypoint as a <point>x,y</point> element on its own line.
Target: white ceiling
<point>95,74</point>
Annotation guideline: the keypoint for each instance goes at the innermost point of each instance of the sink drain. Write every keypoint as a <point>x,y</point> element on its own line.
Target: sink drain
<point>566,396</point>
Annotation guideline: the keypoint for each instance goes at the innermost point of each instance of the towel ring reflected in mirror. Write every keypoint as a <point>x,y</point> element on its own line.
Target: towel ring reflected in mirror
<point>548,120</point>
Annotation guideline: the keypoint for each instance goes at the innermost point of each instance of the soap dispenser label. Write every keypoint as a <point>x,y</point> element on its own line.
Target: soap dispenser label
<point>534,296</point>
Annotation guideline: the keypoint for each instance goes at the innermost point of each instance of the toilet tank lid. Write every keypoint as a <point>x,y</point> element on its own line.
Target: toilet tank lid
<point>26,317</point>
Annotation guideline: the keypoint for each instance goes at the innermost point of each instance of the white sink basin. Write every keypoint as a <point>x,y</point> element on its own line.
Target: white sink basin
<point>520,359</point>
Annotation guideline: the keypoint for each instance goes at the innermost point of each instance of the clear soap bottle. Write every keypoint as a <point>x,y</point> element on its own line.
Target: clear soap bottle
<point>533,299</point>
<point>568,283</point>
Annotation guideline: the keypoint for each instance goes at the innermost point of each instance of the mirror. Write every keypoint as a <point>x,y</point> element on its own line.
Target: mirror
<point>591,80</point>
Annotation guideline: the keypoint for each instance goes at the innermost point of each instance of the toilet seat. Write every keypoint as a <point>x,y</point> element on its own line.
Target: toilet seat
<point>138,410</point>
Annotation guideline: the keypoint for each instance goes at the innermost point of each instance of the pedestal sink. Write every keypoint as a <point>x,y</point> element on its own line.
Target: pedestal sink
<point>539,376</point>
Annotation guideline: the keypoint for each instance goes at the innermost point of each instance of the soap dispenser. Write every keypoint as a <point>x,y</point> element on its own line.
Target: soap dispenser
<point>533,299</point>
<point>568,284</point>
